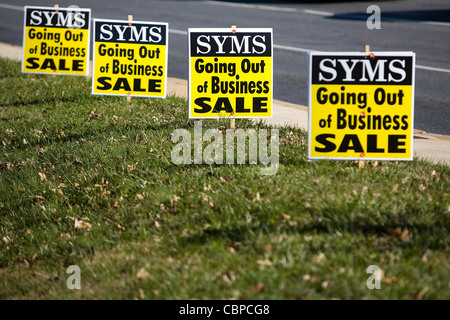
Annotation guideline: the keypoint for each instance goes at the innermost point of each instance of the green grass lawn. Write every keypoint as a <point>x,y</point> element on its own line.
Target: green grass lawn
<point>88,181</point>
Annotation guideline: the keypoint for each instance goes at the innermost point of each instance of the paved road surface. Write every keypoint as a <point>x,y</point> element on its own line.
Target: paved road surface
<point>409,25</point>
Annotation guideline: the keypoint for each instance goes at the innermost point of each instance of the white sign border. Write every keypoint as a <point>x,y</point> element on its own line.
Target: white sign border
<point>88,46</point>
<point>229,30</point>
<point>361,54</point>
<point>126,22</point>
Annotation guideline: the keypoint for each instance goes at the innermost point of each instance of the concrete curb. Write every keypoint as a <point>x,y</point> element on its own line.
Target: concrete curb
<point>431,147</point>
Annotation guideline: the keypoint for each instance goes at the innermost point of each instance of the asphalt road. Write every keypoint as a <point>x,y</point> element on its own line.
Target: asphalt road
<point>410,25</point>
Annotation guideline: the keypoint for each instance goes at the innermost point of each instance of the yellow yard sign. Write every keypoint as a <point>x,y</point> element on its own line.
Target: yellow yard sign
<point>361,106</point>
<point>230,73</point>
<point>56,40</point>
<point>130,58</point>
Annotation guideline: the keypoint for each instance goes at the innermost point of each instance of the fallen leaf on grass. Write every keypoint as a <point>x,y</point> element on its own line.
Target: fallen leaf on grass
<point>204,197</point>
<point>139,196</point>
<point>83,224</point>
<point>425,255</point>
<point>319,257</point>
<point>58,191</point>
<point>141,294</point>
<point>422,293</point>
<point>361,164</point>
<point>388,280</point>
<point>43,176</point>
<point>174,199</point>
<point>142,274</point>
<point>265,262</point>
<point>402,235</point>
<point>228,277</point>
<point>395,187</point>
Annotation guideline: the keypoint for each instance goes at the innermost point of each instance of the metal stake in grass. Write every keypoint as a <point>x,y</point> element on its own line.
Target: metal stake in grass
<point>361,163</point>
<point>130,20</point>
<point>232,120</point>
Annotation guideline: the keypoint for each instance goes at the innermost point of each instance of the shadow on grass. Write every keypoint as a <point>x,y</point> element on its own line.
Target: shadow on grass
<point>422,231</point>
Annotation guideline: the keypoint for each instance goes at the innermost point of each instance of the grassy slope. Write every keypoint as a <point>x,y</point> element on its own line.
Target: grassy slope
<point>162,231</point>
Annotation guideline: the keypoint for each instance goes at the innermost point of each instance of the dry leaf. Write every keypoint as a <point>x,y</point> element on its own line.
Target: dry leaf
<point>139,196</point>
<point>422,187</point>
<point>395,187</point>
<point>43,176</point>
<point>265,262</point>
<point>422,293</point>
<point>211,204</point>
<point>142,274</point>
<point>319,257</point>
<point>425,255</point>
<point>306,277</point>
<point>404,236</point>
<point>59,191</point>
<point>286,217</point>
<point>174,199</point>
<point>388,280</point>
<point>157,224</point>
<point>204,197</point>
<point>260,286</point>
<point>228,277</point>
<point>141,294</point>
<point>83,224</point>
<point>325,284</point>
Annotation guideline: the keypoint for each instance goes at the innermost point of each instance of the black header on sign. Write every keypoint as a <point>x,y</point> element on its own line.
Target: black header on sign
<point>122,32</point>
<point>362,70</point>
<point>239,44</point>
<point>58,18</point>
